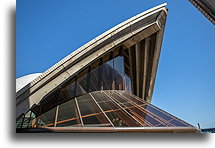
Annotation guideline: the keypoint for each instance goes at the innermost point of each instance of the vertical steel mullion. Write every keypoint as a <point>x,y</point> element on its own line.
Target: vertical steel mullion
<point>76,102</point>
<point>110,84</point>
<point>22,120</point>
<point>145,66</point>
<point>76,81</point>
<point>100,75</point>
<point>101,109</point>
<point>137,55</point>
<point>121,107</point>
<point>56,116</point>
<point>88,79</point>
<point>29,119</point>
<point>132,63</point>
<point>124,81</point>
<point>113,76</point>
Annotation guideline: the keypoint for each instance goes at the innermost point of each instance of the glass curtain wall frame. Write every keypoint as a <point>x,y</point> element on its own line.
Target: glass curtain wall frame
<point>107,73</point>
<point>108,108</point>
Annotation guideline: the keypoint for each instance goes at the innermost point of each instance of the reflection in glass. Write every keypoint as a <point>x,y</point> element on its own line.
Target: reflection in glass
<point>107,73</point>
<point>103,109</point>
<point>19,121</point>
<point>47,119</point>
<point>90,112</point>
<point>68,115</point>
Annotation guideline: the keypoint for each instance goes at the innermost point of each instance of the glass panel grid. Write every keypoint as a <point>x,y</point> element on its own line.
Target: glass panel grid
<point>107,108</point>
<point>169,119</point>
<point>91,113</point>
<point>68,114</point>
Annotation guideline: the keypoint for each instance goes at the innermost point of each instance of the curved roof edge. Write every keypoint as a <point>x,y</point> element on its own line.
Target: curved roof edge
<point>24,80</point>
<point>93,41</point>
<point>127,33</point>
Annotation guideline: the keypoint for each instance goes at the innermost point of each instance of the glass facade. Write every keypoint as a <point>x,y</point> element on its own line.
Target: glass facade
<point>107,108</point>
<point>98,96</point>
<point>106,73</point>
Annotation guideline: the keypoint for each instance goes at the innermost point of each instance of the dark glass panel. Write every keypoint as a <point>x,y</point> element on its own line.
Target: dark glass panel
<point>95,83</point>
<point>19,121</point>
<point>68,115</point>
<point>105,102</point>
<point>98,120</point>
<point>119,65</point>
<point>26,120</point>
<point>99,97</point>
<point>118,73</point>
<point>118,98</point>
<point>69,123</point>
<point>87,105</point>
<point>108,73</point>
<point>110,63</point>
<point>126,104</point>
<point>32,120</point>
<point>127,84</point>
<point>90,112</point>
<point>116,120</point>
<point>81,87</point>
<point>69,90</point>
<point>47,119</point>
<point>116,116</point>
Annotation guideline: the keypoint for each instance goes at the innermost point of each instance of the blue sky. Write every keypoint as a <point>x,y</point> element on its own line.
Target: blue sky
<point>49,30</point>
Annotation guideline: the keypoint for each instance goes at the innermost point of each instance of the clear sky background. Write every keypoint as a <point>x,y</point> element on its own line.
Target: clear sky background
<point>49,30</point>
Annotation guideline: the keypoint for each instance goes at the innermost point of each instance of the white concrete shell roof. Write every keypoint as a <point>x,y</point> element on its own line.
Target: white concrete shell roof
<point>127,33</point>
<point>24,80</point>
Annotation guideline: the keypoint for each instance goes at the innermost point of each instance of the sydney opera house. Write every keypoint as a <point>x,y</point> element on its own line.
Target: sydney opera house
<point>104,86</point>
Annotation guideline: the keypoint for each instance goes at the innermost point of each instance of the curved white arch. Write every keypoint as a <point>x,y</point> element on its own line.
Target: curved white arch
<point>127,34</point>
<point>24,80</point>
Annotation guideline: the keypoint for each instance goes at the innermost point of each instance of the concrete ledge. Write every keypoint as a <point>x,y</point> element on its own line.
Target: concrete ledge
<point>110,130</point>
